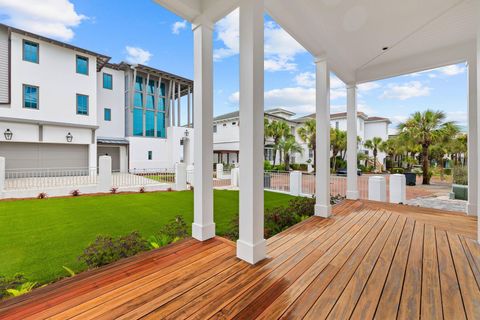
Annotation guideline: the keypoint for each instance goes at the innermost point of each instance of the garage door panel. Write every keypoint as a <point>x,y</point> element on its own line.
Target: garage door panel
<point>36,156</point>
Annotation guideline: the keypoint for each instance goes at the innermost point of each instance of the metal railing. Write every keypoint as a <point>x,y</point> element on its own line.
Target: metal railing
<point>225,181</point>
<point>276,180</point>
<point>25,179</point>
<point>338,186</point>
<point>143,177</point>
<point>362,185</point>
<point>308,183</point>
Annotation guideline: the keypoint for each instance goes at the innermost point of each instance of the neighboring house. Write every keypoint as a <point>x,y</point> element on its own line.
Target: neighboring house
<point>226,134</point>
<point>62,107</point>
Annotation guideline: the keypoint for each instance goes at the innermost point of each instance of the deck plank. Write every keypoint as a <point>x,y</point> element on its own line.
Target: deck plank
<point>369,260</point>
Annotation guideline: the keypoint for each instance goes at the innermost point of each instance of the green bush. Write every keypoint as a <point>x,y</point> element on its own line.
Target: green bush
<point>279,167</point>
<point>106,249</point>
<point>299,166</point>
<point>447,171</point>
<point>460,175</point>
<point>398,170</point>
<point>417,171</point>
<point>176,229</point>
<point>12,283</point>
<point>267,165</point>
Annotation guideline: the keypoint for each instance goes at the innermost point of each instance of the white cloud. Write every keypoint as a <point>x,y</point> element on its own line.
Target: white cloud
<point>367,86</point>
<point>305,79</point>
<point>178,26</point>
<point>137,55</point>
<point>453,70</point>
<point>51,18</point>
<point>280,47</point>
<point>460,117</point>
<point>406,91</point>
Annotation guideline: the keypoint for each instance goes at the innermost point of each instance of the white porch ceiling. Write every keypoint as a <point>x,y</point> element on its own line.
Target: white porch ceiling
<point>420,34</point>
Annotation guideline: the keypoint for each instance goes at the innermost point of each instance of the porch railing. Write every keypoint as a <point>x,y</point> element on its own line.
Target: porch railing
<point>23,179</point>
<point>143,177</point>
<point>277,181</point>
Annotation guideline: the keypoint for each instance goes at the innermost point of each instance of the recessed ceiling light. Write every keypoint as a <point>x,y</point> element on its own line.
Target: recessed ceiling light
<point>385,48</point>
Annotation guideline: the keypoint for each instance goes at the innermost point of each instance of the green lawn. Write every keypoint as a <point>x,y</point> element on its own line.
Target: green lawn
<point>38,237</point>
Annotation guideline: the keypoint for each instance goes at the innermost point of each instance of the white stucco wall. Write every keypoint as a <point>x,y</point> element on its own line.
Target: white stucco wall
<point>58,83</point>
<point>114,100</point>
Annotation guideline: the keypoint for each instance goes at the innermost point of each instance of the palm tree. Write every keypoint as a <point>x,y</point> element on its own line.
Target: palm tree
<point>338,144</point>
<point>308,135</point>
<point>425,129</point>
<point>279,130</point>
<point>374,145</point>
<point>390,147</point>
<point>267,133</point>
<point>289,146</point>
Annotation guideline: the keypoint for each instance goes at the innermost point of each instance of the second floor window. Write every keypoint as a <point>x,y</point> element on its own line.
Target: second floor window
<point>82,65</point>
<point>107,81</point>
<point>82,104</point>
<point>30,97</point>
<point>30,51</point>
<point>215,128</point>
<point>107,114</point>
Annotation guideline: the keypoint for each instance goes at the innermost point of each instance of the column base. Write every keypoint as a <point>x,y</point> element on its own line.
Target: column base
<point>323,211</point>
<point>251,253</point>
<point>203,232</point>
<point>472,209</point>
<point>353,195</point>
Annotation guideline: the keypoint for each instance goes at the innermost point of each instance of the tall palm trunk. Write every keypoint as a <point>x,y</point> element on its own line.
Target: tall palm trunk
<point>425,164</point>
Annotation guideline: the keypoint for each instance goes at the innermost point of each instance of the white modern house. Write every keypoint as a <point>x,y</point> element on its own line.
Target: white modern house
<point>62,107</point>
<point>226,134</point>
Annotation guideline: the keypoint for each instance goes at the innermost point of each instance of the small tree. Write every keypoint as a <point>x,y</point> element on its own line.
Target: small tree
<point>308,134</point>
<point>374,145</point>
<point>289,145</point>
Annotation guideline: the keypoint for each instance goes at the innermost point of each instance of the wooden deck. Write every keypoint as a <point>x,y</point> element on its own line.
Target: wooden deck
<point>369,260</point>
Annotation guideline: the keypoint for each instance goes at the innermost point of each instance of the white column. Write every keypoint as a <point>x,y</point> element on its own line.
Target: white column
<point>2,175</point>
<point>203,227</point>
<point>219,171</point>
<point>472,205</point>
<point>180,176</point>
<point>377,189</point>
<point>352,184</point>
<point>179,105</point>
<point>251,244</point>
<point>104,173</point>
<point>322,167</point>
<point>295,183</point>
<point>398,189</point>
<point>477,90</point>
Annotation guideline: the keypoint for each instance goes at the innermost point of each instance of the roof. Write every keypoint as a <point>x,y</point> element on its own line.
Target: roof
<point>236,114</point>
<point>333,116</point>
<point>102,60</point>
<point>113,141</point>
<point>157,72</point>
<point>388,38</point>
<point>378,119</point>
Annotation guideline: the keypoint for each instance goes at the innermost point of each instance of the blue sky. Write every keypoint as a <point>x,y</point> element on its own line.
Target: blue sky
<point>142,31</point>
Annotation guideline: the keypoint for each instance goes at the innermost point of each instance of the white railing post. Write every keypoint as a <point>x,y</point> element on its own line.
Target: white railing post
<point>2,176</point>
<point>295,183</point>
<point>377,189</point>
<point>234,174</point>
<point>219,171</point>
<point>104,173</point>
<point>352,134</point>
<point>180,177</point>
<point>398,189</point>
<point>190,173</point>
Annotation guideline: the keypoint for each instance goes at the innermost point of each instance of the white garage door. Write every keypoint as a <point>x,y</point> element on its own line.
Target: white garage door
<point>37,155</point>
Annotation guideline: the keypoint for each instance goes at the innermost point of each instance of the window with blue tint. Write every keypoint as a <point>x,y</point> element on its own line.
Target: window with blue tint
<point>107,81</point>
<point>139,84</point>
<point>30,97</point>
<point>162,90</point>
<point>82,104</point>
<point>150,155</point>
<point>138,99</point>
<point>30,51</point>
<point>151,87</point>
<point>161,125</point>
<point>161,104</point>
<point>107,114</point>
<point>150,102</point>
<point>150,124</point>
<point>82,65</point>
<point>137,122</point>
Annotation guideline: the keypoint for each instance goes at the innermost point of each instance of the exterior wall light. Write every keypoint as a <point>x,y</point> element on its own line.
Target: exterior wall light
<point>186,133</point>
<point>8,134</point>
<point>69,137</point>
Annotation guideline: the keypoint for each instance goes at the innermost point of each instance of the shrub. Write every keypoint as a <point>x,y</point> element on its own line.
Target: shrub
<point>398,170</point>
<point>417,171</point>
<point>42,195</point>
<point>25,287</point>
<point>106,249</point>
<point>279,167</point>
<point>142,190</point>
<point>447,171</point>
<point>267,165</point>
<point>176,228</point>
<point>113,190</point>
<point>7,283</point>
<point>302,206</point>
<point>75,193</point>
<point>460,175</point>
